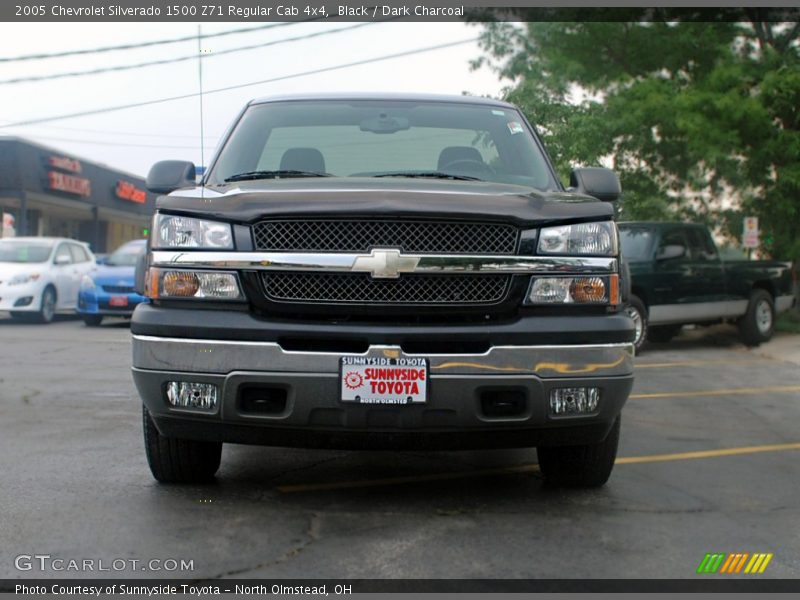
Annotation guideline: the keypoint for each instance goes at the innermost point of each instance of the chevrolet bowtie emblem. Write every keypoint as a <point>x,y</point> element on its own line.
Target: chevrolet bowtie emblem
<point>385,263</point>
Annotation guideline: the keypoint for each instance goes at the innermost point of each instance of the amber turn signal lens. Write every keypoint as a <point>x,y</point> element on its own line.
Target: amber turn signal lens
<point>588,289</point>
<point>613,296</point>
<point>151,283</point>
<point>180,283</point>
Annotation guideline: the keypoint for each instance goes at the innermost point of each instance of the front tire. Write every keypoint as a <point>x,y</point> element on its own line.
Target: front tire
<point>637,311</point>
<point>585,466</point>
<point>174,460</point>
<point>758,323</point>
<point>47,309</point>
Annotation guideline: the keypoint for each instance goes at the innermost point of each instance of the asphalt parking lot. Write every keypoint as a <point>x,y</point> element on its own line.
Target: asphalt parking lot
<point>709,462</point>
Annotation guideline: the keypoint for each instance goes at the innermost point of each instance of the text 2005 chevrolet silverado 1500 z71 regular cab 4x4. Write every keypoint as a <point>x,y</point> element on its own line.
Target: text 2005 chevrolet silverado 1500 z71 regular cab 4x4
<point>382,271</point>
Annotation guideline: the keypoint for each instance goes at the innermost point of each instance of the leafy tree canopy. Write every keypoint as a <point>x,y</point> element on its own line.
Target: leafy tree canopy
<point>700,118</point>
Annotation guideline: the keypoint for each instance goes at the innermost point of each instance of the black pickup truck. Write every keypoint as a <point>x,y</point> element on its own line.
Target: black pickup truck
<point>382,271</point>
<point>677,278</point>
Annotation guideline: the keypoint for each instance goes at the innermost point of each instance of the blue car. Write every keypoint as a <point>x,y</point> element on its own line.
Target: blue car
<point>108,290</point>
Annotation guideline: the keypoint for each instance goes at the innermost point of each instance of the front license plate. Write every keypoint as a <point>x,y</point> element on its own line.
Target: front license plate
<point>118,301</point>
<point>383,380</point>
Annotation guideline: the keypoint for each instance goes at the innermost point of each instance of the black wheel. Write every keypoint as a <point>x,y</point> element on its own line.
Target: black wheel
<point>47,309</point>
<point>661,334</point>
<point>174,460</point>
<point>758,323</point>
<point>92,320</point>
<point>637,311</point>
<point>586,466</point>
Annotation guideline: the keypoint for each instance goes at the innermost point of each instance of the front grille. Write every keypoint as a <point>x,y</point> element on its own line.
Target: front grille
<point>425,237</point>
<point>118,289</point>
<point>363,289</point>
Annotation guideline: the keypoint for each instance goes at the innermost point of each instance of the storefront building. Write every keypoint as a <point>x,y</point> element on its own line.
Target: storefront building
<point>45,192</point>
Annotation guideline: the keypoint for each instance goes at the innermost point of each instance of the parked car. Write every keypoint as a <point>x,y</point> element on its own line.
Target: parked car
<point>40,276</point>
<point>107,291</point>
<point>382,270</point>
<point>678,278</point>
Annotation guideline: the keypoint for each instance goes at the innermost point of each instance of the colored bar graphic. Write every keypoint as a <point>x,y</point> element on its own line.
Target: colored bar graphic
<point>733,563</point>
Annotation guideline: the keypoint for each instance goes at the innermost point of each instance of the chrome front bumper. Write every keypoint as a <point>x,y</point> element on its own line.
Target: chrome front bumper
<point>453,417</point>
<point>223,357</point>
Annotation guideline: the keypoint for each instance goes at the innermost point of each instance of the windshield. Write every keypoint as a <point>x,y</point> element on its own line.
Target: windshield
<point>126,255</point>
<point>636,243</point>
<point>24,252</point>
<point>383,139</point>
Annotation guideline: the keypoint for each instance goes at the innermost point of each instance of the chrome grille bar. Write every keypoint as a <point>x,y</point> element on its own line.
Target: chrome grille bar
<point>408,263</point>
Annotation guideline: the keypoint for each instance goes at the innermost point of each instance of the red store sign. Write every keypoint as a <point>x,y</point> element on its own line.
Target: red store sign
<point>128,191</point>
<point>69,184</point>
<point>64,163</point>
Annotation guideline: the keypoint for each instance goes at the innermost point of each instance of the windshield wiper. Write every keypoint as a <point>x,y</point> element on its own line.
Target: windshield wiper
<point>279,174</point>
<point>430,175</point>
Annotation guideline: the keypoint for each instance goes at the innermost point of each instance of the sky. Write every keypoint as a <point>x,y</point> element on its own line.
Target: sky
<point>135,138</point>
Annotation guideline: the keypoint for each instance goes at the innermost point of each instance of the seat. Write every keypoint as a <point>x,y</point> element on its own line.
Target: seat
<point>303,159</point>
<point>453,154</point>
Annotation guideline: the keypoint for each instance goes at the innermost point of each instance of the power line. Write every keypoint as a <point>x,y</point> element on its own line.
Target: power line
<point>143,44</point>
<point>244,85</point>
<point>167,61</point>
<point>99,143</point>
<point>115,132</point>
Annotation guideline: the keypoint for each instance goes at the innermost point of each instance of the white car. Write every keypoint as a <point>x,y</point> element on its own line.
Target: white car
<point>40,276</point>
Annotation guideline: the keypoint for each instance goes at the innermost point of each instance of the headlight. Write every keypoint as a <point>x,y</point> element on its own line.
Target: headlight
<point>582,238</point>
<point>23,278</point>
<point>185,232</point>
<point>87,284</point>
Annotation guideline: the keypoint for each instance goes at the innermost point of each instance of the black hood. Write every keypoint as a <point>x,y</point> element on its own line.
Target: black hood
<point>250,201</point>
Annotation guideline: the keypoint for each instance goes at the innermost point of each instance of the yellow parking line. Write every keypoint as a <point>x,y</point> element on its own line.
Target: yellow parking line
<point>530,468</point>
<point>707,453</point>
<point>698,363</point>
<point>729,392</point>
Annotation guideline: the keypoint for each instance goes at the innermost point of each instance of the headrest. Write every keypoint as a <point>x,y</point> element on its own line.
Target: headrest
<point>303,159</point>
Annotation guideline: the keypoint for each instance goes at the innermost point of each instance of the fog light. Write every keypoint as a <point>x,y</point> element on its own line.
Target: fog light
<point>219,285</point>
<point>574,401</point>
<point>549,290</point>
<point>188,394</point>
<point>24,301</point>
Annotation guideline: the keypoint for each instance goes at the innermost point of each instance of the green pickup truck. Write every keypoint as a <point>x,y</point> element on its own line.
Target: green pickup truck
<point>678,277</point>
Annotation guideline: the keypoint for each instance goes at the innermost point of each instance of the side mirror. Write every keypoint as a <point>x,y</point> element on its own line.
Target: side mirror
<point>601,183</point>
<point>671,251</point>
<point>61,260</point>
<point>168,175</point>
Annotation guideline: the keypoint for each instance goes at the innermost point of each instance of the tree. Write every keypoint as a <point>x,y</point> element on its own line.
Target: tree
<point>691,113</point>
